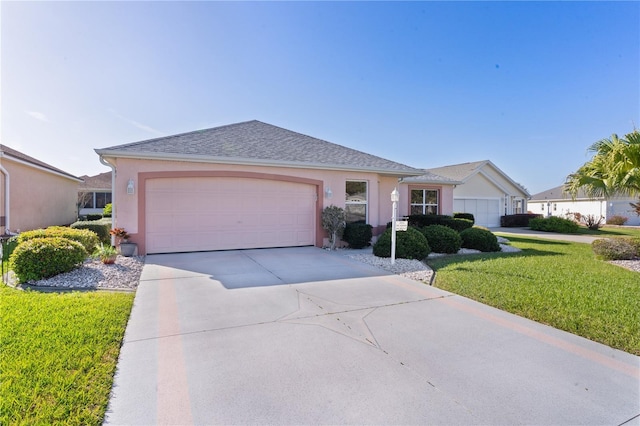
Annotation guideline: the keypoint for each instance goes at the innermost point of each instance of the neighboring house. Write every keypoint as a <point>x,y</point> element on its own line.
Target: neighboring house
<point>245,185</point>
<point>482,189</point>
<point>429,193</point>
<point>94,193</point>
<point>557,202</point>
<point>34,194</point>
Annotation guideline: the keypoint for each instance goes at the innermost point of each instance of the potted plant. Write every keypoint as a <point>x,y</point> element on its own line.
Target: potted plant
<point>122,240</point>
<point>106,254</point>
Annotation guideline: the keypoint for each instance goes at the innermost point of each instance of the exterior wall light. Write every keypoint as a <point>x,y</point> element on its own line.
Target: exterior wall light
<point>130,188</point>
<point>328,193</point>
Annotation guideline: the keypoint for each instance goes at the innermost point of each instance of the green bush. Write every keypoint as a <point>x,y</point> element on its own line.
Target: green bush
<point>45,257</point>
<point>554,224</point>
<point>617,220</point>
<point>517,220</point>
<point>468,216</point>
<point>88,239</point>
<point>93,217</point>
<point>616,248</point>
<point>410,244</point>
<point>442,239</point>
<point>108,210</point>
<point>422,220</point>
<point>479,239</point>
<point>100,228</point>
<point>357,235</point>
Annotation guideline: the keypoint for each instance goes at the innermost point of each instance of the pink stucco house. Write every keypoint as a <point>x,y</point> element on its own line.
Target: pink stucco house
<point>34,194</point>
<point>250,185</point>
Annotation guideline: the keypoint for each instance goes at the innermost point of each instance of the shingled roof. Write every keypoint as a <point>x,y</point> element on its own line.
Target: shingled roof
<point>459,172</point>
<point>97,182</point>
<point>432,178</point>
<point>257,143</point>
<point>560,194</point>
<point>11,153</point>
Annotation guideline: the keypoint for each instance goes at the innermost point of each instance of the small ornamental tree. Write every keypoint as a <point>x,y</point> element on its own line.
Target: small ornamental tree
<point>334,222</point>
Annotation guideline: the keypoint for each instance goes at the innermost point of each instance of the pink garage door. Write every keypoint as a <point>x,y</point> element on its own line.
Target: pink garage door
<point>222,213</point>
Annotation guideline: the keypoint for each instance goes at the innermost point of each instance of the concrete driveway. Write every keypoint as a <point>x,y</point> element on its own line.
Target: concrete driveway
<point>306,336</point>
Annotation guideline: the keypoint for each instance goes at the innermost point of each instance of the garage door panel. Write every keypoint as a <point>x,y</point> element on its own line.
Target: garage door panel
<point>197,214</point>
<point>485,211</point>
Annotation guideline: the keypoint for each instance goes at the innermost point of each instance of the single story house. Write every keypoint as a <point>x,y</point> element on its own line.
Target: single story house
<point>94,192</point>
<point>479,188</point>
<point>429,193</point>
<point>557,202</point>
<point>245,185</point>
<point>34,194</point>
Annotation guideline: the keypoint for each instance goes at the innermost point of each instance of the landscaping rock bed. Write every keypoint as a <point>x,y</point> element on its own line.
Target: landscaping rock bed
<point>124,274</point>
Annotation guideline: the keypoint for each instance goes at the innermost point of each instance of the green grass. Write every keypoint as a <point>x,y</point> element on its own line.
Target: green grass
<point>58,354</point>
<point>553,282</point>
<point>611,231</point>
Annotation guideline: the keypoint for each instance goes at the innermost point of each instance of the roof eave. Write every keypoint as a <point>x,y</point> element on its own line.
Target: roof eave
<point>60,173</point>
<point>252,162</point>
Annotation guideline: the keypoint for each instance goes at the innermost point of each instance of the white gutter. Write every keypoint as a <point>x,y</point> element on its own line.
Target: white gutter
<point>113,196</point>
<point>7,187</point>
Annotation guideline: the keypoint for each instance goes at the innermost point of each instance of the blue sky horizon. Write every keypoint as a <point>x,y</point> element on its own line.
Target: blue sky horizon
<point>527,85</point>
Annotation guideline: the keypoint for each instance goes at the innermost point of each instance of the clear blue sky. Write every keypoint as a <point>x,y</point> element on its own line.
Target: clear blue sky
<point>527,85</point>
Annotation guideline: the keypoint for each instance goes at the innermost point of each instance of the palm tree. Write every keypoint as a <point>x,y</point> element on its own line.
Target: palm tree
<point>613,170</point>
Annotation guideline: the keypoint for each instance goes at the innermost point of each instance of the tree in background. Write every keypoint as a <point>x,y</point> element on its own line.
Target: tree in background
<point>613,170</point>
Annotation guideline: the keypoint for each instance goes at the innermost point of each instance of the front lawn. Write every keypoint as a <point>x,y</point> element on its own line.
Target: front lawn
<point>58,354</point>
<point>553,282</point>
<point>612,231</point>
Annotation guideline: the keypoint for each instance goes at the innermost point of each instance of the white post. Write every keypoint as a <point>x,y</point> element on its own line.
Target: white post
<point>394,199</point>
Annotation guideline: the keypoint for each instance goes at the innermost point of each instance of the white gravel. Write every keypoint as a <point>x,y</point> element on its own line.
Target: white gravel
<point>95,275</point>
<point>633,265</point>
<point>414,269</point>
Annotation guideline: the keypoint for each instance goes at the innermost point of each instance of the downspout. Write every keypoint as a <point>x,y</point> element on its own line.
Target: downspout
<point>7,211</point>
<point>113,196</point>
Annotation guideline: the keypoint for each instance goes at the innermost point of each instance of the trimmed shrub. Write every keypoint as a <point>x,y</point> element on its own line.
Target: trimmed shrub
<point>422,220</point>
<point>468,216</point>
<point>614,249</point>
<point>479,239</point>
<point>617,220</point>
<point>100,228</point>
<point>410,244</point>
<point>88,239</point>
<point>635,242</point>
<point>92,217</point>
<point>459,224</point>
<point>517,220</point>
<point>45,257</point>
<point>554,224</point>
<point>108,210</point>
<point>442,239</point>
<point>357,235</point>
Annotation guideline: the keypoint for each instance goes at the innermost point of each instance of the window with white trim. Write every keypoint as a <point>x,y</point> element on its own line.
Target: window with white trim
<point>355,203</point>
<point>424,201</point>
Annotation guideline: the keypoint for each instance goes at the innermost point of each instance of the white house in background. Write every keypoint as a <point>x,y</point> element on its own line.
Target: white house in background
<point>557,202</point>
<point>484,190</point>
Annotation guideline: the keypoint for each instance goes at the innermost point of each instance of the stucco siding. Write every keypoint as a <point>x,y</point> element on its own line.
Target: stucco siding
<point>38,198</point>
<point>478,187</point>
<point>128,205</point>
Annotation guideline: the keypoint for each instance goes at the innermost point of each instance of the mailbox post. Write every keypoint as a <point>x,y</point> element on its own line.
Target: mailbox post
<point>395,197</point>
